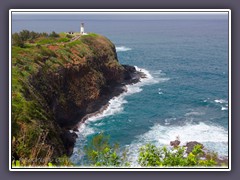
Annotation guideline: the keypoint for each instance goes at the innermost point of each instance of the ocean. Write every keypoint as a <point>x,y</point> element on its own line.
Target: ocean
<point>185,93</point>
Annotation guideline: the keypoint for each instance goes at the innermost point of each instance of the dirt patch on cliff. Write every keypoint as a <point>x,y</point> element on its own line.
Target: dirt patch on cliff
<point>53,48</point>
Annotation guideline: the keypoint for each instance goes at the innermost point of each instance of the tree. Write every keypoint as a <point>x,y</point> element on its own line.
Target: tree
<point>17,40</point>
<point>100,153</point>
<point>53,34</point>
<point>150,155</point>
<point>25,35</point>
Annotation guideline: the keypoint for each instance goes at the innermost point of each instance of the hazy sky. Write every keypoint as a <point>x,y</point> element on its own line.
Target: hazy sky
<point>117,16</point>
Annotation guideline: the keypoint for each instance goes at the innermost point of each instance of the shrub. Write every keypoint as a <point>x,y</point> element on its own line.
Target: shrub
<point>53,34</point>
<point>17,40</point>
<point>69,36</point>
<point>150,155</point>
<point>100,153</point>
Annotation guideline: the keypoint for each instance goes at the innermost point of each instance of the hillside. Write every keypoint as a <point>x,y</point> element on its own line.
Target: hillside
<point>56,82</point>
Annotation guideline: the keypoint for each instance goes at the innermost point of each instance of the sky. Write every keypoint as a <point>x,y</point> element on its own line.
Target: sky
<point>117,15</point>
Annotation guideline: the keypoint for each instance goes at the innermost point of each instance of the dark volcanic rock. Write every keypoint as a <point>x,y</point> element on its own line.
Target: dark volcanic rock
<point>107,93</point>
<point>131,75</point>
<point>69,140</point>
<point>175,143</point>
<point>129,72</point>
<point>207,154</point>
<point>82,84</point>
<point>190,146</point>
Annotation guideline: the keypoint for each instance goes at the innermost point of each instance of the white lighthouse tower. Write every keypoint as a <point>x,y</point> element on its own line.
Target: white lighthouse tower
<point>82,29</point>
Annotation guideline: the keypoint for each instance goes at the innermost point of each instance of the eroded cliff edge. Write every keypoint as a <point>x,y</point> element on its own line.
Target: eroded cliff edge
<point>54,88</point>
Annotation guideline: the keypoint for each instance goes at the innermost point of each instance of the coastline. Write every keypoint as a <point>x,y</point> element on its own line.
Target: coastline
<point>103,101</point>
<point>132,76</point>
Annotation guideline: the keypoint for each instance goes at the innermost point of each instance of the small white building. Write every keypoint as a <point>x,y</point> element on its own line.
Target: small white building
<point>82,29</point>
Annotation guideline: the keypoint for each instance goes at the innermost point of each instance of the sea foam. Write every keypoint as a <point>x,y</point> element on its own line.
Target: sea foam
<point>221,101</point>
<point>116,104</point>
<point>213,137</point>
<point>224,104</point>
<point>122,48</point>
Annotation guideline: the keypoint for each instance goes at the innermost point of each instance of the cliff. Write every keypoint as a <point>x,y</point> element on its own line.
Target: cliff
<point>54,87</point>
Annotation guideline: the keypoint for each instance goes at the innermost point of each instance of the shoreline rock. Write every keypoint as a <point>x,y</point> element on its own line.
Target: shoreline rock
<point>76,83</point>
<point>132,76</point>
<point>191,144</point>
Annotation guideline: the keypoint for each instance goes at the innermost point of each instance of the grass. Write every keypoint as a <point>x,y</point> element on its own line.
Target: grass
<point>91,35</point>
<point>51,40</point>
<point>36,77</point>
<point>74,43</point>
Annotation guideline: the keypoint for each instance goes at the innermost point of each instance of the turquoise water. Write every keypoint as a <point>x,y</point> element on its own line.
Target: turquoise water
<point>185,93</point>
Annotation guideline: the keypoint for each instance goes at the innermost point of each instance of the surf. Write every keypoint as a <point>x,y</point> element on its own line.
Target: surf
<point>122,49</point>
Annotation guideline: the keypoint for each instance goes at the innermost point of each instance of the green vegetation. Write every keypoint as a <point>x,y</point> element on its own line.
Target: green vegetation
<point>54,34</point>
<point>41,63</point>
<point>153,156</point>
<point>101,153</point>
<point>59,162</point>
<point>52,78</point>
<point>91,35</point>
<point>17,40</point>
<point>25,38</point>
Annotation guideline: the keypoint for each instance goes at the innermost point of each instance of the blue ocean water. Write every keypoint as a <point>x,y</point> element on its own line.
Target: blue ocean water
<point>185,93</point>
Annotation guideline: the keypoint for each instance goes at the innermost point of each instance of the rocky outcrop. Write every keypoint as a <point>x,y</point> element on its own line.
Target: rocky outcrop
<point>84,85</point>
<point>206,154</point>
<point>56,87</point>
<point>69,139</point>
<point>175,143</point>
<point>190,145</point>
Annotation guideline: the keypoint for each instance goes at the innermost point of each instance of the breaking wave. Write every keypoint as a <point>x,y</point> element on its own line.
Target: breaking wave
<point>213,137</point>
<point>122,48</point>
<point>116,104</point>
<point>223,103</point>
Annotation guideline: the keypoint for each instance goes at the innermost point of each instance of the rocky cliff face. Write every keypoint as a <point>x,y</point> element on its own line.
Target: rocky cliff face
<point>65,83</point>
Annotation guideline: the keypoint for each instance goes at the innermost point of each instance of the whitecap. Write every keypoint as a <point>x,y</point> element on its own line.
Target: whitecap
<point>84,130</point>
<point>194,113</point>
<point>224,104</point>
<point>159,72</point>
<point>224,108</point>
<point>221,101</point>
<point>116,104</point>
<point>99,124</point>
<point>122,48</point>
<point>213,137</point>
<point>149,78</point>
<point>168,120</point>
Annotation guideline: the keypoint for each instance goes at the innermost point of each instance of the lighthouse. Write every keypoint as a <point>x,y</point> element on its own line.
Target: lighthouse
<point>82,28</point>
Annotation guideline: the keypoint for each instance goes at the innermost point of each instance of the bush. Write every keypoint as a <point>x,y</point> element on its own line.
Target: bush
<point>53,34</point>
<point>25,35</point>
<point>63,40</point>
<point>69,36</point>
<point>100,153</point>
<point>17,40</point>
<point>150,155</point>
